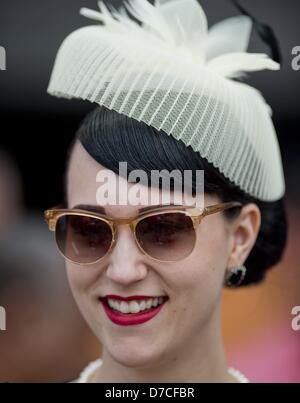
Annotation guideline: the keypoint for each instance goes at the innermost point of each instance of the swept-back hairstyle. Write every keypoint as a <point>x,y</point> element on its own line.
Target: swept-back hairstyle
<point>110,137</point>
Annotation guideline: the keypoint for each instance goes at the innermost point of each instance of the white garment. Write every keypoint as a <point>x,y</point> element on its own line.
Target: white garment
<point>91,368</point>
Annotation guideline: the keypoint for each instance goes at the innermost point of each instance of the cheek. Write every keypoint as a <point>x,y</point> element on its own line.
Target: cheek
<point>212,243</point>
<point>198,280</point>
<point>210,257</point>
<point>80,279</point>
<point>207,263</point>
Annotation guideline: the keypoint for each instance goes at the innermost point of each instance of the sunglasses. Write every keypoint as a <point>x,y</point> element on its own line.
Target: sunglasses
<point>164,234</point>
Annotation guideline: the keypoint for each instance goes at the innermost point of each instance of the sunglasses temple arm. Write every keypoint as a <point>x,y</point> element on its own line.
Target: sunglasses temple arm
<point>221,207</point>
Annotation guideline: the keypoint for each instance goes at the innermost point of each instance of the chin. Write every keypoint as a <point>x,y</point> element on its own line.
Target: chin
<point>134,355</point>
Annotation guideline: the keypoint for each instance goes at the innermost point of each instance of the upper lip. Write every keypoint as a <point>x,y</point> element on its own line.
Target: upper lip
<point>132,297</point>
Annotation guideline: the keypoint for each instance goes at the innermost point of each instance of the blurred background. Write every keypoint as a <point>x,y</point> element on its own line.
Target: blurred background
<point>46,339</point>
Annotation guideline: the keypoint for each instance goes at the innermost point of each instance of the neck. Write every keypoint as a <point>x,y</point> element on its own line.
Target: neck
<point>201,359</point>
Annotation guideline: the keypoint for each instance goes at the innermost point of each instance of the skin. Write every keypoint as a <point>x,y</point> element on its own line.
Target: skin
<point>183,342</point>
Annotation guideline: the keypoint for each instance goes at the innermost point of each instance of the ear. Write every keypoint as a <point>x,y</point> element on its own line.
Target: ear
<point>243,233</point>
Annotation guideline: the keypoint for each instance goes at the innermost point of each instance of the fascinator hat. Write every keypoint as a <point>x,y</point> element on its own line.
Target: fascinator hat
<point>168,70</point>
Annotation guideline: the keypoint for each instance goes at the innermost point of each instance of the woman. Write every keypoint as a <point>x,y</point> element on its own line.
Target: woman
<point>148,279</point>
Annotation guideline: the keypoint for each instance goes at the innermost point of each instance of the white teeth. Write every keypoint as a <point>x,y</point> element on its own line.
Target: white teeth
<point>155,302</point>
<point>135,306</point>
<point>124,307</point>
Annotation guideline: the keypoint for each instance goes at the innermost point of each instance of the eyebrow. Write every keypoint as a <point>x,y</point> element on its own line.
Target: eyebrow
<point>101,209</point>
<point>89,207</point>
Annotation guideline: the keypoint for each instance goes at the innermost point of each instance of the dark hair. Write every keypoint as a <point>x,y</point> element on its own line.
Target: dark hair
<point>110,137</point>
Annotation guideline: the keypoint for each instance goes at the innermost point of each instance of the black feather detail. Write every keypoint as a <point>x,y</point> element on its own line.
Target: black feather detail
<point>264,31</point>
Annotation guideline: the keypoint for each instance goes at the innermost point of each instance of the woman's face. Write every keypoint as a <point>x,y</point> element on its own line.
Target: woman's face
<point>193,286</point>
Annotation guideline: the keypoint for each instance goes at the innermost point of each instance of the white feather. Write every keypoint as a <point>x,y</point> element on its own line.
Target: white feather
<point>151,17</point>
<point>191,16</point>
<point>121,16</point>
<point>161,2</point>
<point>232,65</point>
<point>92,14</point>
<point>179,24</point>
<point>116,21</point>
<point>179,29</point>
<point>188,23</point>
<point>111,24</point>
<point>228,36</point>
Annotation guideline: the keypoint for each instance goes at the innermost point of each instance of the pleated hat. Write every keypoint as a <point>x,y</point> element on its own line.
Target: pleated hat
<point>164,67</point>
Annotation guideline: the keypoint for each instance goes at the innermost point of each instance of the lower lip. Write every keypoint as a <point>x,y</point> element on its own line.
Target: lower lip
<point>130,319</point>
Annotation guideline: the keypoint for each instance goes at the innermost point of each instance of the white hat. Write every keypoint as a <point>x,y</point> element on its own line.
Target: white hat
<point>174,74</point>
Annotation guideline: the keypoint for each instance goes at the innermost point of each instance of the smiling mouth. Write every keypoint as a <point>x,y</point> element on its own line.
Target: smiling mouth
<point>134,312</point>
<point>134,306</point>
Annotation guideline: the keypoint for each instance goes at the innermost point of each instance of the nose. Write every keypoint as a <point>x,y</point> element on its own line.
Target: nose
<point>126,263</point>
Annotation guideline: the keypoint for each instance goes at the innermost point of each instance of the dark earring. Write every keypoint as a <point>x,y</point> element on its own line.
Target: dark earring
<point>235,276</point>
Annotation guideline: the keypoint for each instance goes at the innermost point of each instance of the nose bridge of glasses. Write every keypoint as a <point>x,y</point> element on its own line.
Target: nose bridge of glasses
<point>123,222</point>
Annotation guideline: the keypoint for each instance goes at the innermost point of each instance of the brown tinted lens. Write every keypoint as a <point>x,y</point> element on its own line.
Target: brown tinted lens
<point>167,236</point>
<point>83,239</point>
